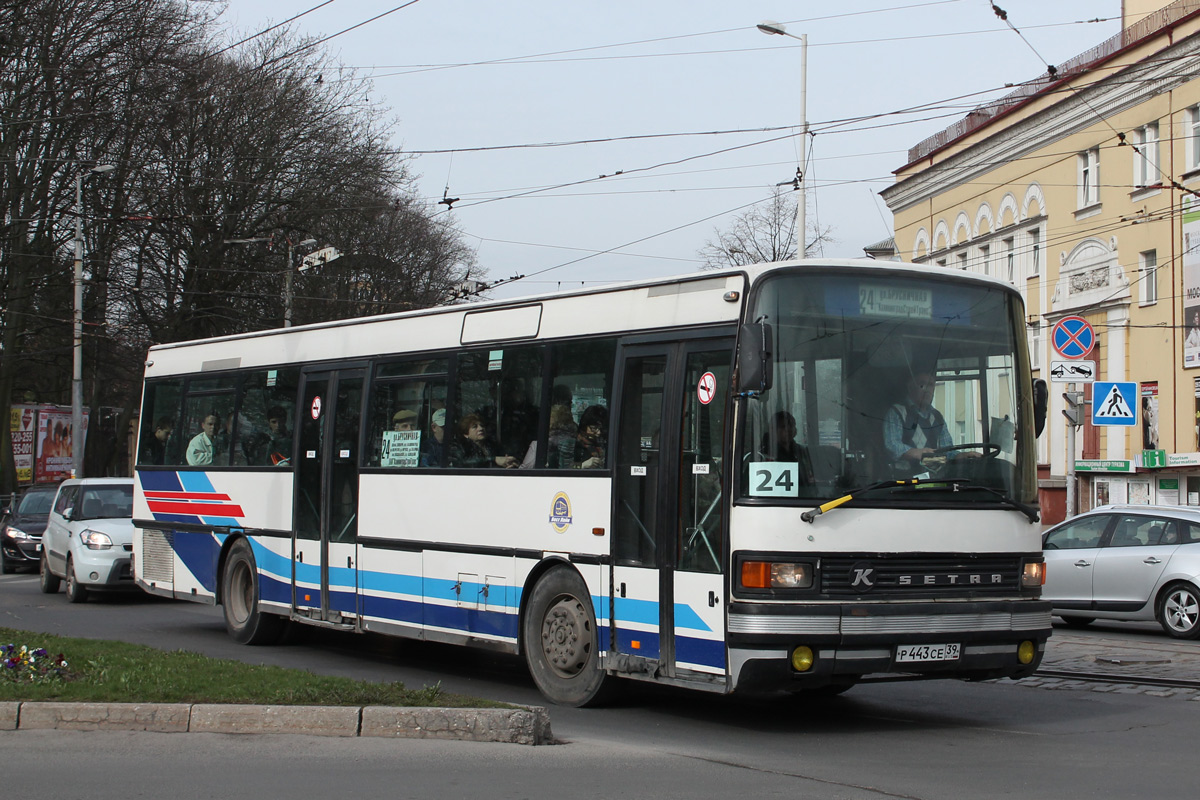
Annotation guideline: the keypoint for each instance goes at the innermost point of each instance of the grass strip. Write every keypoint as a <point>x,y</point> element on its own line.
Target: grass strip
<point>100,671</point>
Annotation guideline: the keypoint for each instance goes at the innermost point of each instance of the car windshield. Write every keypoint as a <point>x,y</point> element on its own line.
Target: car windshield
<point>105,502</point>
<point>879,376</point>
<point>35,503</point>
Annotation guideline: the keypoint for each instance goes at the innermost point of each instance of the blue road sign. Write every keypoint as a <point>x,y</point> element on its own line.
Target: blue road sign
<point>1073,337</point>
<point>1114,403</point>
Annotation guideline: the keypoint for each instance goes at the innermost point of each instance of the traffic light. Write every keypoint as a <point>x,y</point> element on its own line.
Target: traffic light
<point>1074,410</point>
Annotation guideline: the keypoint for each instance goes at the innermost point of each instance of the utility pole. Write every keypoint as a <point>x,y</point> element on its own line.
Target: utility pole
<point>776,29</point>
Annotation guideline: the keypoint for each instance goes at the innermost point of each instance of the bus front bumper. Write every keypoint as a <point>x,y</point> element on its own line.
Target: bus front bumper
<point>847,642</point>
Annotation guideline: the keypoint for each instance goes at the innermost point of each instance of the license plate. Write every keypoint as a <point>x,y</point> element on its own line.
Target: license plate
<point>927,652</point>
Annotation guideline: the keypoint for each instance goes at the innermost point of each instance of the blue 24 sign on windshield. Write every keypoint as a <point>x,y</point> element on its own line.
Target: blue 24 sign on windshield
<point>1073,337</point>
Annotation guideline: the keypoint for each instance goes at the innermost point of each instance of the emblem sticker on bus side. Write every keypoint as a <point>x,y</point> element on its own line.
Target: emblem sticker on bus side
<point>560,512</point>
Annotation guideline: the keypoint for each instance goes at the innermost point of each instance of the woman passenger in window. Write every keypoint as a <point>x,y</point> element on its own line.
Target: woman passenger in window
<point>587,450</point>
<point>470,448</point>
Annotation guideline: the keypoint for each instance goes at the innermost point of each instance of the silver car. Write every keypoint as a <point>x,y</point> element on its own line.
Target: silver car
<point>1133,563</point>
<point>89,537</point>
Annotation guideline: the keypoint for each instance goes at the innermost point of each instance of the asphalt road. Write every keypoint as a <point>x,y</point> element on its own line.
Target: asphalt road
<point>908,740</point>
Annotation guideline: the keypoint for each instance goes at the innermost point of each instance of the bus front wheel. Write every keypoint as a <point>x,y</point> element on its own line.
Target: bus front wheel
<point>244,620</point>
<point>560,641</point>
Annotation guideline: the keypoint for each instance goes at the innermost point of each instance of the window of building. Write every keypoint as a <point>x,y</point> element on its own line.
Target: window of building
<point>962,260</point>
<point>1148,276</point>
<point>941,262</point>
<point>1035,347</point>
<point>1192,137</point>
<point>1035,252</point>
<point>1010,260</point>
<point>985,259</point>
<point>1145,157</point>
<point>1089,177</point>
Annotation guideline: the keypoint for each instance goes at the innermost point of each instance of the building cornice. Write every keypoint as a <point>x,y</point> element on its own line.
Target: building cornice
<point>1082,109</point>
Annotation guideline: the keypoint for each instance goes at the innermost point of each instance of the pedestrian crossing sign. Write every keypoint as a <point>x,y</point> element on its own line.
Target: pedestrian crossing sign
<point>1114,403</point>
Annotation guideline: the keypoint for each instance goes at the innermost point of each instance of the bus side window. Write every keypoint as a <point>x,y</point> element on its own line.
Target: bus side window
<point>501,391</point>
<point>581,379</point>
<point>160,436</point>
<point>265,418</point>
<point>404,400</point>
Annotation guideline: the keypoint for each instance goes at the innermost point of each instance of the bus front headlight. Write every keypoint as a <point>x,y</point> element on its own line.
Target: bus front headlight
<point>777,575</point>
<point>1033,574</point>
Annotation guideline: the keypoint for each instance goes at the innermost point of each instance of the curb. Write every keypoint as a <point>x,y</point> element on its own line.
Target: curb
<point>524,725</point>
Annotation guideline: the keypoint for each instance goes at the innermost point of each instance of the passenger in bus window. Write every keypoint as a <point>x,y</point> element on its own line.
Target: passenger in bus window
<point>404,420</point>
<point>200,448</point>
<point>586,450</point>
<point>279,440</point>
<point>470,448</point>
<point>779,444</point>
<point>155,451</point>
<point>562,433</point>
<point>433,449</point>
<point>913,430</point>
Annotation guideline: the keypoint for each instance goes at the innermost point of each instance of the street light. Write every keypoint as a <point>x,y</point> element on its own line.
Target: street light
<point>77,440</point>
<point>777,29</point>
<point>287,281</point>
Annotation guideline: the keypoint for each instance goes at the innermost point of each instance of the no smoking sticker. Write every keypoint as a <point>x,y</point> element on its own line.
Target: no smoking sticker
<point>706,388</point>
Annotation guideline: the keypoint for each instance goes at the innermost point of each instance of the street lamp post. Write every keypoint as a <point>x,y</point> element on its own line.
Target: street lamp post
<point>77,439</point>
<point>287,281</point>
<point>776,29</point>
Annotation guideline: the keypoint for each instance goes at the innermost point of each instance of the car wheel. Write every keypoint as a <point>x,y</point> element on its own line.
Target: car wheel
<point>560,641</point>
<point>239,597</point>
<point>1077,622</point>
<point>1179,611</point>
<point>49,580</point>
<point>76,591</point>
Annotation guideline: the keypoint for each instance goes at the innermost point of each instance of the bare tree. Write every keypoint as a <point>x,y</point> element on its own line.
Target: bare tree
<point>763,234</point>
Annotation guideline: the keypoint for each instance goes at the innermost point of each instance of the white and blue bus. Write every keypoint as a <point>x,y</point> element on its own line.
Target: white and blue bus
<point>690,481</point>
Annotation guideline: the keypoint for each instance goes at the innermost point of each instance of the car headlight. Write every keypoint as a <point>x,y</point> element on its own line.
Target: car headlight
<point>16,533</point>
<point>95,540</point>
<point>777,575</point>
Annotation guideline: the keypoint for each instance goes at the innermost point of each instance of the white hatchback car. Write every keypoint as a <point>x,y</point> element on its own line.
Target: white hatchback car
<point>89,537</point>
<point>1127,563</point>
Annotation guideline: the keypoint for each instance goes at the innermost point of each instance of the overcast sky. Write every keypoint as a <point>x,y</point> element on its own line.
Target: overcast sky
<point>488,79</point>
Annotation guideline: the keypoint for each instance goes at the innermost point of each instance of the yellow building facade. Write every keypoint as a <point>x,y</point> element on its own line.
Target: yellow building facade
<point>1078,188</point>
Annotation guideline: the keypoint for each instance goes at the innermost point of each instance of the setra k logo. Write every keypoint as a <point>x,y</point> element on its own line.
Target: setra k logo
<point>862,576</point>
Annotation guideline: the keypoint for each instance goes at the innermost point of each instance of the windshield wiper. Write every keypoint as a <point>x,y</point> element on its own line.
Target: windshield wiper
<point>957,484</point>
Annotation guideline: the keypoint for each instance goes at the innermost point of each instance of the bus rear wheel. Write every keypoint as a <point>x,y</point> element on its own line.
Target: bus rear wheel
<point>244,621</point>
<point>560,641</point>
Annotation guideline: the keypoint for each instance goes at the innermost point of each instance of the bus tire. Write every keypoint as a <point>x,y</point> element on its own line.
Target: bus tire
<point>561,643</point>
<point>244,621</point>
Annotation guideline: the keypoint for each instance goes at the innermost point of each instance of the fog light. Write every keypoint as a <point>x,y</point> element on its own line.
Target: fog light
<point>1025,652</point>
<point>94,576</point>
<point>802,659</point>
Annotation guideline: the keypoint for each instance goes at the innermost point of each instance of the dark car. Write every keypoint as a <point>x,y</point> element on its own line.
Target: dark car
<point>21,526</point>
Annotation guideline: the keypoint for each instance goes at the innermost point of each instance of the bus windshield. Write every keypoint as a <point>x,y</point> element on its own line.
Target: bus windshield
<point>877,377</point>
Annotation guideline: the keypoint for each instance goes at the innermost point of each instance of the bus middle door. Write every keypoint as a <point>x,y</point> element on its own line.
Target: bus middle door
<point>668,615</point>
<point>324,577</point>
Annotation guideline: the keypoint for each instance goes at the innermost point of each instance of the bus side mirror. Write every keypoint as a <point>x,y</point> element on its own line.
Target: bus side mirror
<point>1041,397</point>
<point>754,358</point>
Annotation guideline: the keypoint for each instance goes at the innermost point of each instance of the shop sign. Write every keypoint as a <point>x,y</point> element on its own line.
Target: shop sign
<point>1103,465</point>
<point>1154,458</point>
<point>1183,459</point>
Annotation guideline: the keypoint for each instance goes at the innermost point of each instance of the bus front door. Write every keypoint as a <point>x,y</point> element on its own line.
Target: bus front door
<point>668,576</point>
<point>324,576</point>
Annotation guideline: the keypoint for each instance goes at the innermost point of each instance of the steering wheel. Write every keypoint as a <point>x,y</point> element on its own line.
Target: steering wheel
<point>990,449</point>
